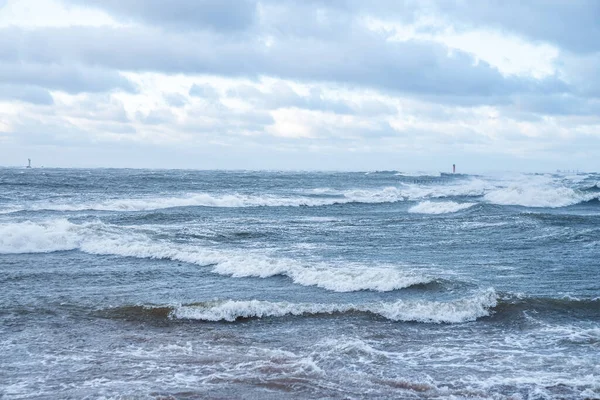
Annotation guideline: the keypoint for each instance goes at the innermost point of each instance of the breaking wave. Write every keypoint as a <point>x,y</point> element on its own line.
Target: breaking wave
<point>99,238</point>
<point>520,190</point>
<point>242,265</point>
<point>419,174</point>
<point>481,304</point>
<point>313,197</point>
<point>384,195</point>
<point>538,193</point>
<point>431,207</point>
<point>44,237</point>
<point>457,311</point>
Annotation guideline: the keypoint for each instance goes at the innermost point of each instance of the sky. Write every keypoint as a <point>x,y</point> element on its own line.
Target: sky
<point>488,85</point>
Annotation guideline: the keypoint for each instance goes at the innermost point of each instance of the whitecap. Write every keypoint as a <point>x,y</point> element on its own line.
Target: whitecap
<point>30,237</point>
<point>440,207</point>
<point>536,191</point>
<point>388,194</point>
<point>99,238</point>
<point>457,311</point>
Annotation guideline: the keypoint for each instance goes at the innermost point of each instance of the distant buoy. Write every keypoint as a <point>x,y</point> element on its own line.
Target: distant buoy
<point>29,165</point>
<point>453,168</point>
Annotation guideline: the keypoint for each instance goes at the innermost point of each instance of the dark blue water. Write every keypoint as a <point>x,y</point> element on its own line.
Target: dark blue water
<point>209,284</point>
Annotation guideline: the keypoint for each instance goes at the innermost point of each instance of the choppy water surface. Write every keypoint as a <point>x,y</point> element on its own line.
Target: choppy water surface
<point>206,284</point>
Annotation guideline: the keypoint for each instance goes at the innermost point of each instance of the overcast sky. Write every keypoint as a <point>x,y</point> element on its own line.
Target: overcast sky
<point>308,84</point>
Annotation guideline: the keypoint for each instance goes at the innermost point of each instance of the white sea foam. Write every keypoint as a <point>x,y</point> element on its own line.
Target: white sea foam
<point>470,187</point>
<point>247,264</point>
<point>462,310</point>
<point>99,238</point>
<point>537,196</point>
<point>383,195</point>
<point>195,199</point>
<point>389,194</point>
<point>420,174</point>
<point>29,237</point>
<point>439,207</point>
<point>326,276</point>
<point>239,265</point>
<point>536,191</point>
<point>353,347</point>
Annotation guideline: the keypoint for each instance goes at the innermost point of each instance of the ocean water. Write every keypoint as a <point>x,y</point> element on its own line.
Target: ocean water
<point>270,285</point>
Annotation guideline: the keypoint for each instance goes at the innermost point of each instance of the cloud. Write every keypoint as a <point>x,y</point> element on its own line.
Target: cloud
<point>156,117</point>
<point>282,95</point>
<point>572,25</point>
<point>220,15</point>
<point>582,72</point>
<point>116,128</point>
<point>364,59</point>
<point>33,131</point>
<point>286,77</point>
<point>67,78</point>
<point>562,104</point>
<point>26,93</point>
<point>203,90</point>
<point>223,121</point>
<point>94,107</point>
<point>175,99</point>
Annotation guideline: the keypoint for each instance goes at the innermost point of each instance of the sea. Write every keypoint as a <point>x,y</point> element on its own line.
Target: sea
<point>185,284</point>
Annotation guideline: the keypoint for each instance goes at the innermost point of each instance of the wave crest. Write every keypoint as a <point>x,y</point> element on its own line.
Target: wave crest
<point>439,207</point>
<point>312,198</point>
<point>462,310</point>
<point>45,237</point>
<point>457,311</point>
<point>99,238</point>
<point>538,196</point>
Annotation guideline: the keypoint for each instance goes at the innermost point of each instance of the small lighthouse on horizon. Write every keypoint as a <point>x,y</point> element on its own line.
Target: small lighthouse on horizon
<point>29,163</point>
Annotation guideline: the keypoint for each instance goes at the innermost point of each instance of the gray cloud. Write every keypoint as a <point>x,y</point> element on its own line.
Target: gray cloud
<point>313,42</point>
<point>364,59</point>
<point>68,78</point>
<point>26,93</point>
<point>175,99</point>
<point>563,104</point>
<point>222,121</point>
<point>570,24</point>
<point>582,72</point>
<point>284,95</point>
<point>203,90</point>
<point>47,132</point>
<point>375,108</point>
<point>93,107</point>
<point>381,130</point>
<point>220,15</point>
<point>156,117</point>
<point>96,107</point>
<point>281,95</point>
<point>118,128</point>
<point>573,25</point>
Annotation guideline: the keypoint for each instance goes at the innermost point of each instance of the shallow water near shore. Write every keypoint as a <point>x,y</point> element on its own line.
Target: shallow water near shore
<point>210,284</point>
